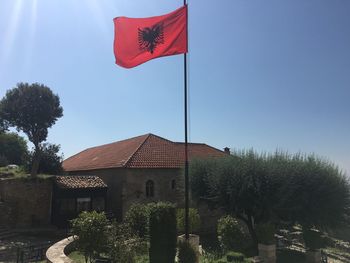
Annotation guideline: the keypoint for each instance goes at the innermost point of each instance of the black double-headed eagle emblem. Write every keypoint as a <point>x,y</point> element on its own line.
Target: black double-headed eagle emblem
<point>151,37</point>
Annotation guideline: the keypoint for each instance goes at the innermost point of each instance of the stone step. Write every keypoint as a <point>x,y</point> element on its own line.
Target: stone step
<point>6,233</point>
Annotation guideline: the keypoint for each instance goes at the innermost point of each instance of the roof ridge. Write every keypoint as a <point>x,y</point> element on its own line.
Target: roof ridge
<point>195,143</point>
<point>137,149</point>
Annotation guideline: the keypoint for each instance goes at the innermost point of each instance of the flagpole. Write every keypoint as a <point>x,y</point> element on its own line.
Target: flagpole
<point>186,143</point>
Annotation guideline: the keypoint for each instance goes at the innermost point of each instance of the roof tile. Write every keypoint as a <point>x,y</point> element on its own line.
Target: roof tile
<point>146,151</point>
<point>79,182</point>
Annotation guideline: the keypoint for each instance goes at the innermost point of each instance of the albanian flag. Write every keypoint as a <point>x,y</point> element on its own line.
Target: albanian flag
<point>137,40</point>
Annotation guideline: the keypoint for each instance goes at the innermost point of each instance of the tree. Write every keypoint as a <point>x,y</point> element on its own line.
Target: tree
<point>31,108</point>
<point>92,231</point>
<point>268,188</point>
<point>13,148</point>
<point>50,161</point>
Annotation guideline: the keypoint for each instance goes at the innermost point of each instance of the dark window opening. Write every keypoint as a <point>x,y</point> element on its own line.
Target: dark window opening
<point>173,184</point>
<point>149,188</point>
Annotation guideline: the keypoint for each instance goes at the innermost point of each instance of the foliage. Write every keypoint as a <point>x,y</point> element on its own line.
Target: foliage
<point>235,257</point>
<point>91,228</point>
<point>137,219</point>
<point>312,238</point>
<point>163,232</point>
<point>230,233</point>
<point>259,188</point>
<point>193,217</point>
<point>266,233</point>
<point>50,161</point>
<point>186,254</point>
<point>31,109</point>
<point>3,161</point>
<point>123,245</point>
<point>13,149</point>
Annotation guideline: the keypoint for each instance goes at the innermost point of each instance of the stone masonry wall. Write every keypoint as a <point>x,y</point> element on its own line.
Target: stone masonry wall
<point>134,190</point>
<point>25,202</point>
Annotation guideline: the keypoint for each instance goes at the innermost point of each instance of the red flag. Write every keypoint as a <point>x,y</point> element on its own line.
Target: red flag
<point>137,40</point>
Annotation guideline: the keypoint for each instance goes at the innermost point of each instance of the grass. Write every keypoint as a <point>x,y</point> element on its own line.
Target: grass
<point>19,173</point>
<point>77,257</point>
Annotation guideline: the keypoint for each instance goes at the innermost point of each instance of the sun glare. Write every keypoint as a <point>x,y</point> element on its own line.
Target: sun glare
<point>32,33</point>
<point>10,33</point>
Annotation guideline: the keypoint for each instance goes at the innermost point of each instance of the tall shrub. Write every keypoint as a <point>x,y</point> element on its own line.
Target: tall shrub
<point>194,220</point>
<point>162,224</point>
<point>230,233</point>
<point>137,219</point>
<point>91,229</point>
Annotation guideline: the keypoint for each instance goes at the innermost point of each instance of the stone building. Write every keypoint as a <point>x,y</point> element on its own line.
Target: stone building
<point>142,169</point>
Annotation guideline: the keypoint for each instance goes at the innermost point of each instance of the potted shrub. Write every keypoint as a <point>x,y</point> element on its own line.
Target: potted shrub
<point>194,225</point>
<point>266,242</point>
<point>313,243</point>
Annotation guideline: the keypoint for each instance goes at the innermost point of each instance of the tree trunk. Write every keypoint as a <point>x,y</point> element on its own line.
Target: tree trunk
<point>36,161</point>
<point>252,233</point>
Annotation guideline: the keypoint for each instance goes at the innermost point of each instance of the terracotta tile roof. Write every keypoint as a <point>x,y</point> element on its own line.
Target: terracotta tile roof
<point>79,182</point>
<point>146,151</point>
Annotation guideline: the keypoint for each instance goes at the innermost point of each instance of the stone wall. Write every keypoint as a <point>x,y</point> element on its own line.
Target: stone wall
<point>128,186</point>
<point>25,202</point>
<point>134,190</point>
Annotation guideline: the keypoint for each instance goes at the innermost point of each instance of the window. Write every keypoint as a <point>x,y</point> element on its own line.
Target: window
<point>149,188</point>
<point>83,204</point>
<point>173,184</point>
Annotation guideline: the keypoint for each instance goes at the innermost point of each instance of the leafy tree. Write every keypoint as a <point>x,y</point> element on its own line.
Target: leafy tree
<point>230,233</point>
<point>137,219</point>
<point>13,148</point>
<point>194,220</point>
<point>124,245</point>
<point>31,108</point>
<point>91,228</point>
<point>50,161</point>
<point>267,188</point>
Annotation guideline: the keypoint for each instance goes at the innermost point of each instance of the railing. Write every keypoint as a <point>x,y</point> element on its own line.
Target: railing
<point>34,253</point>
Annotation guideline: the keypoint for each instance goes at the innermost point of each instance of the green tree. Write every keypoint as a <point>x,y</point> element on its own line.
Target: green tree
<point>124,245</point>
<point>137,218</point>
<point>230,234</point>
<point>50,161</point>
<point>31,108</point>
<point>91,229</point>
<point>194,220</point>
<point>13,148</point>
<point>261,188</point>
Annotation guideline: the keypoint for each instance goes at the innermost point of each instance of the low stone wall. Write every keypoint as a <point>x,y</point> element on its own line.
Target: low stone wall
<point>57,252</point>
<point>25,202</point>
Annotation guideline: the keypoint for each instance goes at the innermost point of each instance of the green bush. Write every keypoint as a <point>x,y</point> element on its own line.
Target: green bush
<point>194,220</point>
<point>235,257</point>
<point>187,254</point>
<point>230,233</point>
<point>123,245</point>
<point>137,219</point>
<point>91,228</point>
<point>266,233</point>
<point>163,238</point>
<point>312,238</point>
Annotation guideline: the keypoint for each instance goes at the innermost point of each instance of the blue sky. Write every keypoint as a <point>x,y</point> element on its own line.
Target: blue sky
<point>263,74</point>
